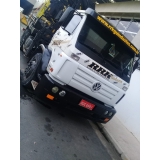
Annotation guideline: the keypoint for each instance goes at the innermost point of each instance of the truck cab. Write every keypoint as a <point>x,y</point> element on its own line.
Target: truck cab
<point>86,67</point>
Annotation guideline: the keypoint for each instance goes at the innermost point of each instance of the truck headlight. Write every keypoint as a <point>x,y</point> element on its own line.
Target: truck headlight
<point>55,89</point>
<point>75,57</point>
<point>106,112</point>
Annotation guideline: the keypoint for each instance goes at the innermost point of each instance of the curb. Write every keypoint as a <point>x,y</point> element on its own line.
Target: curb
<point>114,142</point>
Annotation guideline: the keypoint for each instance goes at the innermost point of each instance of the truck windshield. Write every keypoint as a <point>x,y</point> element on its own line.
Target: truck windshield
<point>102,42</point>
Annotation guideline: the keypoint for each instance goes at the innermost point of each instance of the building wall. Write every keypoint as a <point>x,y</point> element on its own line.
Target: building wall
<point>128,109</point>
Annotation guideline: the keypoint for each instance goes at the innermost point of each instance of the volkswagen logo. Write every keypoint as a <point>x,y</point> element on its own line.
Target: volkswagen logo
<point>96,86</point>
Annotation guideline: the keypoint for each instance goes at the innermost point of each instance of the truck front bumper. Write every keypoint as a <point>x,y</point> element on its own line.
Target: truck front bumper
<point>72,99</point>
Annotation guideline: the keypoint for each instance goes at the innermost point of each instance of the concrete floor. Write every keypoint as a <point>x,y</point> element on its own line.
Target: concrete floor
<point>53,134</point>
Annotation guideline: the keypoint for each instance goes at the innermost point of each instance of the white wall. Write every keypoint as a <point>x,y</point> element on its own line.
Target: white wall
<point>128,109</point>
<point>136,40</point>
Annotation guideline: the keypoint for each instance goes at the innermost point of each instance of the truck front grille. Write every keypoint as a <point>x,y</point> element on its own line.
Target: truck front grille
<point>83,81</point>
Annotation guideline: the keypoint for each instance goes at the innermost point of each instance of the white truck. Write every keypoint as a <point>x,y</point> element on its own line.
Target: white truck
<point>86,67</point>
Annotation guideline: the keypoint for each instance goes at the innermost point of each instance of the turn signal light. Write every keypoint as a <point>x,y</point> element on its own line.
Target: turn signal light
<point>50,97</point>
<point>51,69</point>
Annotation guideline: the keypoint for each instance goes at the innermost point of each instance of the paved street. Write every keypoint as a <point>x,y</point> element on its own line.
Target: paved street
<point>56,134</point>
<point>51,134</point>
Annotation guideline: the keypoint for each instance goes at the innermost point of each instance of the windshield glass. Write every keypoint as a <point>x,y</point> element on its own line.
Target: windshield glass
<point>106,45</point>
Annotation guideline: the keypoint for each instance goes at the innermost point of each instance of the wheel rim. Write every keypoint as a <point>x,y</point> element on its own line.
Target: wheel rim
<point>30,67</point>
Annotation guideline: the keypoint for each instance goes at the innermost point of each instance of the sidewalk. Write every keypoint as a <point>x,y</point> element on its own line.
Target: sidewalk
<point>123,141</point>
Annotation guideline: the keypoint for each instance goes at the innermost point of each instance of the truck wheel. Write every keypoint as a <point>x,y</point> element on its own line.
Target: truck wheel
<point>28,46</point>
<point>25,35</point>
<point>30,72</point>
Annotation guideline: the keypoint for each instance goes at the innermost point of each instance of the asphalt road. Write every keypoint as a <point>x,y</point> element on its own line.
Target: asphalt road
<point>57,134</point>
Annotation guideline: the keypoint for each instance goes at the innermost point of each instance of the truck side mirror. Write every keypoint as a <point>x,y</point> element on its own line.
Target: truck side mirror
<point>72,25</point>
<point>66,16</point>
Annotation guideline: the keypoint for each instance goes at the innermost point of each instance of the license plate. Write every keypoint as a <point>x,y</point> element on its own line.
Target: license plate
<point>86,104</point>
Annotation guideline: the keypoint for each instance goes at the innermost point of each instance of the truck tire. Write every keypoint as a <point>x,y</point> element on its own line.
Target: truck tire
<point>25,35</point>
<point>28,46</point>
<point>31,70</point>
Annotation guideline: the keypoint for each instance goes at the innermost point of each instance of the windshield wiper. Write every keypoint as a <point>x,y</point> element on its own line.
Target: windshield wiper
<point>103,58</point>
<point>110,62</point>
<point>91,48</point>
<point>95,51</point>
